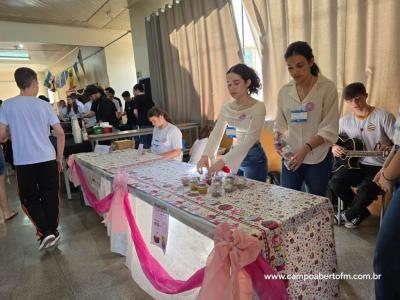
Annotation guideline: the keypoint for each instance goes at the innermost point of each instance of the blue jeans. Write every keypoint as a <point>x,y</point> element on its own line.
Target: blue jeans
<point>315,177</point>
<point>387,252</point>
<point>254,166</point>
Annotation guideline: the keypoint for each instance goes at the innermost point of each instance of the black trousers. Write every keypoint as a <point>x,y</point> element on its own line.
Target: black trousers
<point>343,180</point>
<point>38,187</point>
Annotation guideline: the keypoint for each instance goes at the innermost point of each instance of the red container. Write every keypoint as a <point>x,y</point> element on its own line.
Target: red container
<point>107,129</point>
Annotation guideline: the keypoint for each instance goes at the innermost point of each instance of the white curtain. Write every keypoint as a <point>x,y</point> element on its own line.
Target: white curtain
<point>353,40</point>
<point>191,46</point>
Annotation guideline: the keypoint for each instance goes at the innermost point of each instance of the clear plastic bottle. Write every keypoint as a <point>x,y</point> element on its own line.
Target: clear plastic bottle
<point>84,131</point>
<point>286,150</point>
<point>287,155</point>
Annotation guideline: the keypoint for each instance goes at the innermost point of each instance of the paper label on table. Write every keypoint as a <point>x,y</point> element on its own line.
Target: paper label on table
<point>159,227</point>
<point>103,149</point>
<point>140,149</point>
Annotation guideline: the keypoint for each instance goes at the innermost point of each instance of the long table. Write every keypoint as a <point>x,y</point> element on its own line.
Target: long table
<point>295,229</point>
<point>95,138</point>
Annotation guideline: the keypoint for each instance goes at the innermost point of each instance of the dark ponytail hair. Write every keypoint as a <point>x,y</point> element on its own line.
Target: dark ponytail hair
<point>303,49</point>
<point>158,112</point>
<point>247,73</point>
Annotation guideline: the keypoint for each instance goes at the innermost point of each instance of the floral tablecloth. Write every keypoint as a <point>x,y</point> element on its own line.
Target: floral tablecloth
<point>294,228</point>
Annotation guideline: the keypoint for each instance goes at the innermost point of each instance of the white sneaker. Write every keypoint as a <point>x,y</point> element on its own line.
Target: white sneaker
<point>45,241</point>
<point>53,243</point>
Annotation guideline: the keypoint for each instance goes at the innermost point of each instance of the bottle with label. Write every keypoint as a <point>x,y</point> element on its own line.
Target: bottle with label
<point>76,131</point>
<point>84,131</point>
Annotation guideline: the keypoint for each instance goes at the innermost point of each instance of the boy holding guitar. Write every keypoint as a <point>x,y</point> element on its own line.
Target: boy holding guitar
<point>372,126</point>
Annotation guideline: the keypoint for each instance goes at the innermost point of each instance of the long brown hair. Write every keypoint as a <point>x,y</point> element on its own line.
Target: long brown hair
<point>74,106</point>
<point>157,112</point>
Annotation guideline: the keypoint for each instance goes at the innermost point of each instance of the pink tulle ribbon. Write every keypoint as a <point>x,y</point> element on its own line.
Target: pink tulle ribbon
<point>234,267</point>
<point>161,280</point>
<point>225,277</point>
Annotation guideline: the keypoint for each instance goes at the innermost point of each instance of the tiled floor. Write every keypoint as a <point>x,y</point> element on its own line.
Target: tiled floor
<point>82,267</point>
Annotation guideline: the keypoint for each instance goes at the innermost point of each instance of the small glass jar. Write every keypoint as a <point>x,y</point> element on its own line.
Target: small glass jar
<point>229,186</point>
<point>241,182</point>
<point>194,182</point>
<point>216,189</point>
<point>202,188</point>
<point>185,180</point>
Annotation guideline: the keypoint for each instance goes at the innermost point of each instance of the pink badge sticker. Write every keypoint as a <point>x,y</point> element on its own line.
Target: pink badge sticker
<point>309,106</point>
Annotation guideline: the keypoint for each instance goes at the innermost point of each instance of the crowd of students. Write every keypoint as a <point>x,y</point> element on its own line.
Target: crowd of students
<point>306,131</point>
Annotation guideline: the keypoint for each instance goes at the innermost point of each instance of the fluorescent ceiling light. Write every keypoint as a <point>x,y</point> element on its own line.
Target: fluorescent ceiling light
<point>14,55</point>
<point>14,58</point>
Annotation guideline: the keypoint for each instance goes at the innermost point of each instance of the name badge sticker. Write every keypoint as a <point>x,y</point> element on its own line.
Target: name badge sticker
<point>298,116</point>
<point>231,132</point>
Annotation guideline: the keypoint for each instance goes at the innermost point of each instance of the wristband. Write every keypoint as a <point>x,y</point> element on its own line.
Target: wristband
<point>309,146</point>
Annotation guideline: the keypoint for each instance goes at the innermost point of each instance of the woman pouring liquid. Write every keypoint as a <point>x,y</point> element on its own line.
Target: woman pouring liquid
<point>242,120</point>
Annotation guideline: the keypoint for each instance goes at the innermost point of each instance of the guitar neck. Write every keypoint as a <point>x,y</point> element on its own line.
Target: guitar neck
<point>365,153</point>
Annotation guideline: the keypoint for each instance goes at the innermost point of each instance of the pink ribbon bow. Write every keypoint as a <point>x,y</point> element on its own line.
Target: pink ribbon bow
<point>116,215</point>
<point>225,277</point>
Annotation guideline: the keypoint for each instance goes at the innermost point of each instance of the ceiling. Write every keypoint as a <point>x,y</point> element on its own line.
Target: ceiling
<point>42,55</point>
<point>96,14</point>
<point>110,14</point>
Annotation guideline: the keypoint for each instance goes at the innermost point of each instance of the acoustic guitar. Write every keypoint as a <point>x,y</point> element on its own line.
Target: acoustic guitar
<point>354,151</point>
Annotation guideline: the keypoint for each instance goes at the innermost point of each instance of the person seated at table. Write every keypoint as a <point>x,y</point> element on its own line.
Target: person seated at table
<point>73,111</point>
<point>242,120</point>
<point>167,138</point>
<point>62,110</point>
<point>132,121</point>
<point>102,108</point>
<point>373,127</point>
<point>199,145</point>
<point>142,104</point>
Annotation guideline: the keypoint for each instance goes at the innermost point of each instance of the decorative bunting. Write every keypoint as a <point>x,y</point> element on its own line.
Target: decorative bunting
<point>47,80</point>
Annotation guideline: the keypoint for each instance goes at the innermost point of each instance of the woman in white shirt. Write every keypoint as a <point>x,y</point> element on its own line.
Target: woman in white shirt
<point>243,120</point>
<point>307,121</point>
<point>167,138</point>
<point>62,110</point>
<point>73,110</point>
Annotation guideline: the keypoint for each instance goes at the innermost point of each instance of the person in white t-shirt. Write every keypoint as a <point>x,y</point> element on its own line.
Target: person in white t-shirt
<point>372,126</point>
<point>26,120</point>
<point>167,138</point>
<point>199,145</point>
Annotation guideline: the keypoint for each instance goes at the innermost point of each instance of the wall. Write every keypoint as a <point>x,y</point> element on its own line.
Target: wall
<point>138,12</point>
<point>95,67</point>
<point>121,65</point>
<point>8,87</point>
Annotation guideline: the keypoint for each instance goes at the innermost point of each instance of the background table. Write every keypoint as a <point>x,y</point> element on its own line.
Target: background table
<point>295,229</point>
<point>95,138</point>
